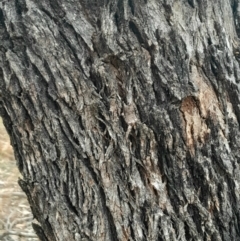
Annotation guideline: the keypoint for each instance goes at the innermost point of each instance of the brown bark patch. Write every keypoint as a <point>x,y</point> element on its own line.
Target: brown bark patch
<point>196,129</point>
<point>196,109</point>
<point>209,105</point>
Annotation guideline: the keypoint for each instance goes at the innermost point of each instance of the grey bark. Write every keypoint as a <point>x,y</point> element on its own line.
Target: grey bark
<point>124,116</point>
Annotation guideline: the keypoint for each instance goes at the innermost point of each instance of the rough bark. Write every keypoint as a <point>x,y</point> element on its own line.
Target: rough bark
<point>124,116</point>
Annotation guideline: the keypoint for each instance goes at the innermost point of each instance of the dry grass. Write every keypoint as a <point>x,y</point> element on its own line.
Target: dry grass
<point>15,215</point>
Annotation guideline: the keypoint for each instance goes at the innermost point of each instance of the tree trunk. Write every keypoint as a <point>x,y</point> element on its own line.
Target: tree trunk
<point>124,116</point>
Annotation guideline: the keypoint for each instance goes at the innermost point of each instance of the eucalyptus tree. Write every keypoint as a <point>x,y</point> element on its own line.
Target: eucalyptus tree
<point>124,116</point>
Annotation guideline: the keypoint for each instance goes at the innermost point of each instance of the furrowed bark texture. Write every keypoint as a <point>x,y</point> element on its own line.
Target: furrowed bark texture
<point>124,116</point>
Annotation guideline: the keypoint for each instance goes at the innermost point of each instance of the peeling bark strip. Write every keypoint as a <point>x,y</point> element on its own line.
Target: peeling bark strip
<point>124,116</point>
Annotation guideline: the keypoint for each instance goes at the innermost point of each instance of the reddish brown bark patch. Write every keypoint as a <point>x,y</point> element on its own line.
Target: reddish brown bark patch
<point>196,129</point>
